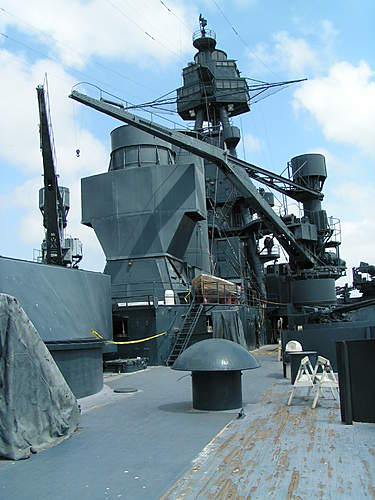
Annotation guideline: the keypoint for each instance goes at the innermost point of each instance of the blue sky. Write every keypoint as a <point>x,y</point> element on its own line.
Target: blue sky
<point>136,50</point>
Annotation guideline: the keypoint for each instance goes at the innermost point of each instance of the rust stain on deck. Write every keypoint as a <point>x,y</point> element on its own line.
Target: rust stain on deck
<point>282,415</point>
<point>371,488</point>
<point>329,470</point>
<point>312,428</point>
<point>228,491</point>
<point>349,487</point>
<point>293,485</point>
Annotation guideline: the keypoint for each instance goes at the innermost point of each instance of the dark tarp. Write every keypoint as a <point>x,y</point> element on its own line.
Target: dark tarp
<point>226,324</point>
<point>37,408</point>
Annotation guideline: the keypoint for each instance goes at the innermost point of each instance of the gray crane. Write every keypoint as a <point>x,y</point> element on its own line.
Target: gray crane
<point>54,200</point>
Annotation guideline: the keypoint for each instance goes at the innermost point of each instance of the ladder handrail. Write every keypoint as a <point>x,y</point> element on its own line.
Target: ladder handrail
<point>192,304</point>
<point>192,327</point>
<point>187,334</point>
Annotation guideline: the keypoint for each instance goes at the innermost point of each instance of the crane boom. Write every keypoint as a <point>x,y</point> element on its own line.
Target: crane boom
<point>52,196</point>
<point>231,167</point>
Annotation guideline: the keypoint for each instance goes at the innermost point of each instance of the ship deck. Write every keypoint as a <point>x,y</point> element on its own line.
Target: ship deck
<point>151,444</point>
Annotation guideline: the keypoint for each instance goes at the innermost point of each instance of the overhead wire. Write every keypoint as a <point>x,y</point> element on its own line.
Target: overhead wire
<point>175,15</point>
<point>52,58</point>
<point>132,106</point>
<point>90,77</point>
<point>145,105</point>
<point>236,32</point>
<point>73,50</point>
<point>151,21</point>
<point>258,89</point>
<point>152,37</point>
<point>151,103</point>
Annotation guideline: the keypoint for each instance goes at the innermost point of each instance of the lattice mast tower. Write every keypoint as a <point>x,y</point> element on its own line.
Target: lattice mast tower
<point>213,92</point>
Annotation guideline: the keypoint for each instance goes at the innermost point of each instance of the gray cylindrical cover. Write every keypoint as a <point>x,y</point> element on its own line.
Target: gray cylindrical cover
<point>308,165</point>
<point>314,291</point>
<point>126,136</point>
<point>217,391</point>
<point>215,355</point>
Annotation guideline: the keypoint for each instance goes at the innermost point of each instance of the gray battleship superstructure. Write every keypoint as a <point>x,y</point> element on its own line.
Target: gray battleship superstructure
<point>187,234</point>
<point>164,216</point>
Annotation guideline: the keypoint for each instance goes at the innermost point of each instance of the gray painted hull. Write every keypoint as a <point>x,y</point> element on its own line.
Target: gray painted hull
<point>64,305</point>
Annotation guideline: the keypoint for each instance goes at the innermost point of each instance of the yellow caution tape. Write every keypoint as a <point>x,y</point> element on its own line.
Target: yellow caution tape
<point>97,334</point>
<point>187,295</point>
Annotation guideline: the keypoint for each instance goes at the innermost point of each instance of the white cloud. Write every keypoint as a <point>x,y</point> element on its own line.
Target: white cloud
<point>31,229</point>
<point>357,243</point>
<point>72,31</point>
<point>295,55</point>
<point>343,103</point>
<point>19,148</point>
<point>353,203</point>
<point>252,143</point>
<point>288,54</point>
<point>111,28</point>
<point>328,32</point>
<point>19,139</point>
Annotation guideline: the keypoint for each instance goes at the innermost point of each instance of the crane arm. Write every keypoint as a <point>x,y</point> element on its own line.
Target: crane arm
<point>230,166</point>
<point>275,181</point>
<point>52,197</point>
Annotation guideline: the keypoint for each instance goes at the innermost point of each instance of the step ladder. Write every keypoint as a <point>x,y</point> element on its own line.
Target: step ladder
<point>188,327</point>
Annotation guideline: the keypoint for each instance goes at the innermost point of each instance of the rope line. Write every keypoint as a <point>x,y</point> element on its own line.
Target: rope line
<point>99,336</point>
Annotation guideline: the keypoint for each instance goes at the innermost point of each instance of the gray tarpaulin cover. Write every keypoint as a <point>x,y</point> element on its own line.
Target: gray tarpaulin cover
<point>37,408</point>
<point>226,324</point>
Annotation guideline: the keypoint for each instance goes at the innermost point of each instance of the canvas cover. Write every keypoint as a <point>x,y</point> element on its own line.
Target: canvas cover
<point>226,324</point>
<point>211,289</point>
<point>37,408</point>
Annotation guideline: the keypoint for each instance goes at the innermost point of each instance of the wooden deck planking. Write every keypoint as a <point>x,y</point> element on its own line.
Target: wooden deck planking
<point>278,451</point>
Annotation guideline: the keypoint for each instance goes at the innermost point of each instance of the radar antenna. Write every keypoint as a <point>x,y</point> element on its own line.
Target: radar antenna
<point>202,24</point>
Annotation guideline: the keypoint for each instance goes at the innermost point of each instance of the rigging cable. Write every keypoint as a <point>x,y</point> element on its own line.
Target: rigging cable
<point>240,38</point>
<point>52,58</point>
<point>116,7</point>
<point>214,215</point>
<point>175,15</point>
<point>179,125</point>
<point>73,50</point>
